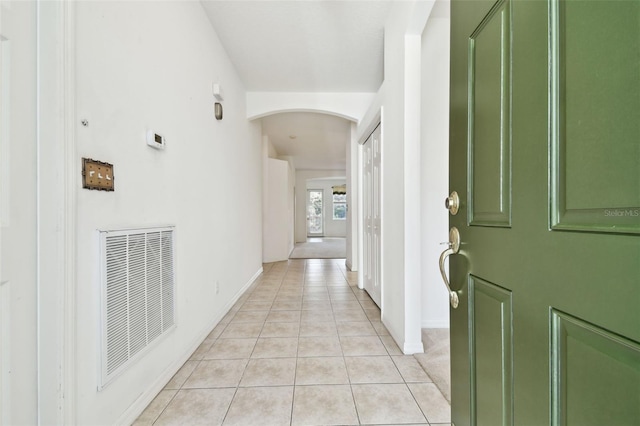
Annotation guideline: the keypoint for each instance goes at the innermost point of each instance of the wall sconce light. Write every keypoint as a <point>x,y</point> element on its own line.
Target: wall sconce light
<point>218,110</point>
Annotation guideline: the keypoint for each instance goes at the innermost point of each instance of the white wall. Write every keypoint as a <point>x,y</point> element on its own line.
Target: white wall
<point>399,103</point>
<point>435,163</point>
<point>352,200</point>
<point>18,215</point>
<point>331,227</point>
<point>278,213</point>
<point>302,176</point>
<point>391,98</point>
<point>143,65</point>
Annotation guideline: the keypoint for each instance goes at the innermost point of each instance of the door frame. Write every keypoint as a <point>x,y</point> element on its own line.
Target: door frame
<point>375,123</point>
<point>57,185</point>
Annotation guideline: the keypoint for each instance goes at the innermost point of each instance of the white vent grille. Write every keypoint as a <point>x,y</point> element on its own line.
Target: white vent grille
<point>137,294</point>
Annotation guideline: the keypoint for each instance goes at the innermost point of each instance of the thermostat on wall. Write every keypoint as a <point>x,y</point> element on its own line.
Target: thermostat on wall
<point>155,140</point>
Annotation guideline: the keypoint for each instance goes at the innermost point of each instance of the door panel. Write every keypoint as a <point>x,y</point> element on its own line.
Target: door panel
<point>372,162</point>
<point>568,298</point>
<point>596,116</point>
<point>490,115</point>
<point>491,345</point>
<point>584,354</point>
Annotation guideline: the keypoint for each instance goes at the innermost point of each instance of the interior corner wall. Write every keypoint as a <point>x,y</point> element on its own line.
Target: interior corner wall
<point>149,66</point>
<point>435,168</point>
<point>278,217</point>
<point>400,187</point>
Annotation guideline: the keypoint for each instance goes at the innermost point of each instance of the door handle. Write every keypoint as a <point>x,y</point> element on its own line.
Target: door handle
<point>454,248</point>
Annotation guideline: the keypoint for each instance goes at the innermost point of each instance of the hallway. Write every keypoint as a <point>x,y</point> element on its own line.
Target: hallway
<point>303,346</point>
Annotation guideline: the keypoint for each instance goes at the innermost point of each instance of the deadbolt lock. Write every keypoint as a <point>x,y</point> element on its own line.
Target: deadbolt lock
<point>452,203</point>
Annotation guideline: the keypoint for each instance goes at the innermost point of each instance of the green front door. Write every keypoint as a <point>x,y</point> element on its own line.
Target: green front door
<point>545,154</point>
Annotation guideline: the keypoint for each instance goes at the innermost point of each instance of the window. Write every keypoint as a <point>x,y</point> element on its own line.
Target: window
<point>339,206</point>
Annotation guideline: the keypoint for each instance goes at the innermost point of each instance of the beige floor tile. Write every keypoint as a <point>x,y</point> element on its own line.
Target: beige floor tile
<point>316,298</point>
<point>216,332</point>
<point>182,375</point>
<point>318,329</point>
<point>231,349</point>
<point>362,346</point>
<point>261,406</point>
<point>318,359</point>
<point>250,316</point>
<point>368,304</point>
<point>269,372</point>
<point>321,371</point>
<point>316,305</point>
<point>372,314</point>
<point>263,295</point>
<point>242,330</point>
<point>216,373</point>
<point>391,345</point>
<point>227,318</point>
<point>337,284</point>
<point>157,406</point>
<point>293,294</point>
<point>315,290</point>
<point>361,294</point>
<point>202,349</point>
<point>386,404</point>
<point>317,316</point>
<point>345,304</point>
<point>280,329</point>
<point>410,369</point>
<point>197,407</point>
<point>380,328</point>
<point>340,290</point>
<point>319,346</point>
<point>276,347</point>
<point>356,328</point>
<point>372,369</point>
<point>433,404</point>
<point>284,316</point>
<point>324,405</point>
<point>350,315</point>
<point>344,301</point>
<point>286,306</point>
<point>255,306</point>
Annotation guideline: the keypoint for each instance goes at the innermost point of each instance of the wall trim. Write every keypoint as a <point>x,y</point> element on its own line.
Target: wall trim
<point>135,409</point>
<point>435,324</point>
<point>411,348</point>
<point>56,213</point>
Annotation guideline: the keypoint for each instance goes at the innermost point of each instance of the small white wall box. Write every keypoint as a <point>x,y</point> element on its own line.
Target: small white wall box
<point>155,140</point>
<point>217,92</point>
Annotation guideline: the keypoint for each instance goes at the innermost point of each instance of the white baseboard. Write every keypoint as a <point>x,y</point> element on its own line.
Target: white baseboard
<point>411,348</point>
<point>348,265</point>
<point>135,409</point>
<point>435,324</point>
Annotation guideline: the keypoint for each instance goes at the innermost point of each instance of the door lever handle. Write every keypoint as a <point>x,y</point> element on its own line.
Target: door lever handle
<point>454,248</point>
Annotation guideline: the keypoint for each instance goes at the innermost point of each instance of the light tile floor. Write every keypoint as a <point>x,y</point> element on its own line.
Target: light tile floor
<point>303,346</point>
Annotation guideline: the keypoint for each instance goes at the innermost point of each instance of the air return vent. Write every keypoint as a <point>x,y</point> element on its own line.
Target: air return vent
<point>137,294</point>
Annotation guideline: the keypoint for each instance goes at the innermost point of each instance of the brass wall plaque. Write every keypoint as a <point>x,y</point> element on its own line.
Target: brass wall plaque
<point>97,175</point>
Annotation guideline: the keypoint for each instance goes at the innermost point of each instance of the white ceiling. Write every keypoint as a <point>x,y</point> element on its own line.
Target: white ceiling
<point>304,46</point>
<point>319,143</point>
